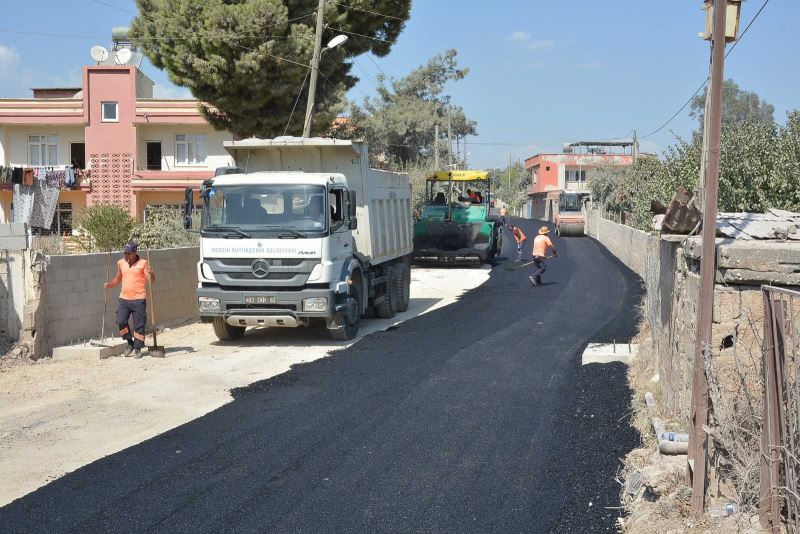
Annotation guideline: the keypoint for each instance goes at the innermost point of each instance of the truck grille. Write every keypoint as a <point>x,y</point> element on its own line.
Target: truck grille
<point>281,272</point>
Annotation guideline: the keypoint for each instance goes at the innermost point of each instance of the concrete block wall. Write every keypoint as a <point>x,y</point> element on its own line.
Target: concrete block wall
<point>12,293</point>
<point>13,236</point>
<point>669,267</point>
<point>73,293</point>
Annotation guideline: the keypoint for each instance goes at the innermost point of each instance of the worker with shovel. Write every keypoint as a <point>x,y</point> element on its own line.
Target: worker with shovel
<point>134,273</point>
<point>540,245</point>
<point>519,237</point>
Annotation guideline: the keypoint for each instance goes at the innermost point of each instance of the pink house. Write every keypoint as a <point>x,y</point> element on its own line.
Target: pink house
<point>136,150</point>
<point>553,174</point>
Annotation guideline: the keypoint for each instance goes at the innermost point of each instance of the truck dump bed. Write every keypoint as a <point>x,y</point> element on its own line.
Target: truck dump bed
<point>383,198</point>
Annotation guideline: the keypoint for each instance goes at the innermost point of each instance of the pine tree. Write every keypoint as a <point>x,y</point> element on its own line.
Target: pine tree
<point>246,60</point>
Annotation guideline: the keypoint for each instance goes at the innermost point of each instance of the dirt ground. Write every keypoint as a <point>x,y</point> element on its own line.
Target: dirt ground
<point>60,415</point>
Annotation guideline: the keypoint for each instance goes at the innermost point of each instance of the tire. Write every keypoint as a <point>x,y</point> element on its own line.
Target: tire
<point>388,307</point>
<point>344,327</point>
<point>402,275</point>
<point>226,332</point>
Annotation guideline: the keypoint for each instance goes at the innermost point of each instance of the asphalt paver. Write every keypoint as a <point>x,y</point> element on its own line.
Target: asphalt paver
<point>476,417</point>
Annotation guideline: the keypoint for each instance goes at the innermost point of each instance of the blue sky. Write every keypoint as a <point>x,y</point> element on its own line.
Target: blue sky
<point>541,73</point>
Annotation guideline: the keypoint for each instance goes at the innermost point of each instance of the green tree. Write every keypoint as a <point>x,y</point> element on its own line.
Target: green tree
<point>400,121</point>
<point>246,60</point>
<point>738,106</point>
<point>163,228</point>
<point>510,184</point>
<point>104,227</point>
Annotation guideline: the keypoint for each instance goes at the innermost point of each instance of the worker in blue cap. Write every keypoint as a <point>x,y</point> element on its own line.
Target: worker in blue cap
<point>133,272</point>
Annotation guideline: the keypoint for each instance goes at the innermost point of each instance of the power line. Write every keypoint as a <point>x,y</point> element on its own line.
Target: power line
<point>295,102</point>
<point>359,35</point>
<point>744,32</point>
<point>370,12</point>
<point>114,6</point>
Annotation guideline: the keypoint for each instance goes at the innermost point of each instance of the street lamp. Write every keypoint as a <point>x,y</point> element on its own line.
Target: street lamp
<point>312,88</point>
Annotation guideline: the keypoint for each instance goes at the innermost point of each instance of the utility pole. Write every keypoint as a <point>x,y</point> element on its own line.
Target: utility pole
<point>698,441</point>
<point>436,147</point>
<point>449,136</point>
<point>466,165</point>
<point>635,147</point>
<point>312,88</point>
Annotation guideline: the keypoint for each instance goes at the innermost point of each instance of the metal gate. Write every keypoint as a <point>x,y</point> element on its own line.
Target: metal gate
<point>780,438</point>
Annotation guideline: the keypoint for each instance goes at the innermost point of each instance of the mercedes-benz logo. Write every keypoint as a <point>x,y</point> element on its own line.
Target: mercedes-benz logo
<point>260,268</point>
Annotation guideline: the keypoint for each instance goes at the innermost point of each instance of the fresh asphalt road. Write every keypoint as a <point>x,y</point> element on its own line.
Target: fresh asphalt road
<point>477,417</point>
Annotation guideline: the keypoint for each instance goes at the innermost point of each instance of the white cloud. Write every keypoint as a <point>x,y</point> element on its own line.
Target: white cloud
<point>9,59</point>
<point>171,92</point>
<point>542,44</point>
<point>519,37</point>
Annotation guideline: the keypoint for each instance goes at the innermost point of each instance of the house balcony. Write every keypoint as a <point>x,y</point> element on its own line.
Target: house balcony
<point>177,180</point>
<point>577,186</point>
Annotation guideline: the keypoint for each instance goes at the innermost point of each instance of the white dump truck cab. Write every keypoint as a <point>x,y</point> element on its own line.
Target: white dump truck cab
<point>302,231</point>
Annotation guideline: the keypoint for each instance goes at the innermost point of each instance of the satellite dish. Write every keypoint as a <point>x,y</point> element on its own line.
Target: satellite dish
<point>99,54</point>
<point>123,56</point>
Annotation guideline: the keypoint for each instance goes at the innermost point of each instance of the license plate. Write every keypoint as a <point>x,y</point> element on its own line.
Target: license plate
<point>261,300</point>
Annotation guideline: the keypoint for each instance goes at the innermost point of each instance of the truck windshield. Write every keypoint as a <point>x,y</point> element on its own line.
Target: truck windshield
<point>569,202</point>
<point>260,208</point>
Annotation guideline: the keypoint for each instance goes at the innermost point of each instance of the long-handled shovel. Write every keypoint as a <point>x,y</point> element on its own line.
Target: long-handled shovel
<point>512,266</point>
<point>101,340</point>
<point>156,350</point>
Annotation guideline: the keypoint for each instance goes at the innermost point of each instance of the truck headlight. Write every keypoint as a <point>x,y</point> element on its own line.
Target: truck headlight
<point>208,304</point>
<point>315,304</point>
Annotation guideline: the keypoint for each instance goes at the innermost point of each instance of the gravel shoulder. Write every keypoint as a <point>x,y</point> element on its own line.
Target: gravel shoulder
<point>60,415</point>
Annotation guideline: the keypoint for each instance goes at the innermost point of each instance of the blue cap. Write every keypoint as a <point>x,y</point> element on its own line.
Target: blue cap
<point>130,248</point>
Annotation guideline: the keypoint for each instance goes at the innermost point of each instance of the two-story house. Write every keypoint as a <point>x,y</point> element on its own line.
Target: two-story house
<point>553,174</point>
<point>137,151</point>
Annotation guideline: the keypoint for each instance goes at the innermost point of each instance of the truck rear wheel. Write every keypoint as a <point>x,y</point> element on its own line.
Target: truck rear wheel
<point>226,332</point>
<point>388,306</point>
<point>403,286</point>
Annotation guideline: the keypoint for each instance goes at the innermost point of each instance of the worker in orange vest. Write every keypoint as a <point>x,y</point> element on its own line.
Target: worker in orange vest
<point>540,245</point>
<point>133,272</point>
<point>519,237</point>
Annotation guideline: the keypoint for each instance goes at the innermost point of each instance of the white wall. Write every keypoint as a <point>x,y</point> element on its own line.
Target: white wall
<point>15,144</point>
<point>216,154</point>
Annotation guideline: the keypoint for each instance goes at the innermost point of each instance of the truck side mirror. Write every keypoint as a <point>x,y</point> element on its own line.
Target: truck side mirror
<point>352,204</point>
<point>188,204</point>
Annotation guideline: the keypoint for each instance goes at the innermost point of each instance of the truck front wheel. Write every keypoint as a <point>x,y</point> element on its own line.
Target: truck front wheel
<point>226,332</point>
<point>344,326</point>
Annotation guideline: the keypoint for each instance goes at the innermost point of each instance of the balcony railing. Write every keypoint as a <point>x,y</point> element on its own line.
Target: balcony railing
<point>577,186</point>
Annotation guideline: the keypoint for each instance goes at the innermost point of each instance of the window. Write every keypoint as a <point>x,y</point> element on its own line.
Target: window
<point>190,149</point>
<point>110,111</point>
<point>77,153</point>
<point>42,150</point>
<point>154,155</point>
<point>337,203</point>
<point>575,176</point>
<point>547,168</point>
<point>62,221</point>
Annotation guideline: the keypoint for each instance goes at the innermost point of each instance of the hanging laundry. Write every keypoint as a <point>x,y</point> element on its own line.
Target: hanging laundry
<point>69,177</point>
<point>23,203</point>
<point>17,175</point>
<point>45,201</point>
<point>27,176</point>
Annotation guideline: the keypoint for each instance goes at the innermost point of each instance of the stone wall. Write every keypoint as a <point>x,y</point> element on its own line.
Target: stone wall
<point>669,267</point>
<point>72,293</point>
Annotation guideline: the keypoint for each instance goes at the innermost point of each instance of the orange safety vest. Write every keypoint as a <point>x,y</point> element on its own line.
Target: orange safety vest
<point>133,277</point>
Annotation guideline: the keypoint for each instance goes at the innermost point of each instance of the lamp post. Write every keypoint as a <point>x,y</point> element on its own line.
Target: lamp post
<point>312,88</point>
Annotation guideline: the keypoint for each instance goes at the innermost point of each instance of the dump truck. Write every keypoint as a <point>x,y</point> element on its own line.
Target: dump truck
<point>571,217</point>
<point>301,231</point>
<point>455,228</point>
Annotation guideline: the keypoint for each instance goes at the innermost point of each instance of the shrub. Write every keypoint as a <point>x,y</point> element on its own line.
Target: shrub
<point>104,227</point>
<point>163,228</point>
